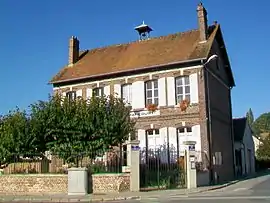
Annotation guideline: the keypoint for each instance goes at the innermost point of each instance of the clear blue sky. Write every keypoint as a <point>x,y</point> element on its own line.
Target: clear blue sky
<point>34,40</point>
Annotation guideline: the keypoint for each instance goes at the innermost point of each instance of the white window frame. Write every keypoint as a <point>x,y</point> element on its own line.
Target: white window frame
<point>99,91</point>
<point>182,82</point>
<point>71,95</point>
<point>153,99</point>
<point>155,135</point>
<point>126,93</point>
<point>187,131</point>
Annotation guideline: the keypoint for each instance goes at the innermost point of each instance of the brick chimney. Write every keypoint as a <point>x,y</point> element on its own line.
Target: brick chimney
<point>73,52</point>
<point>202,21</point>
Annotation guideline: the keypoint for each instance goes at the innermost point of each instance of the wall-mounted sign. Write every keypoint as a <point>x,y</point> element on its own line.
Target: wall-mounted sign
<point>144,113</point>
<point>191,147</point>
<point>193,165</point>
<point>135,147</point>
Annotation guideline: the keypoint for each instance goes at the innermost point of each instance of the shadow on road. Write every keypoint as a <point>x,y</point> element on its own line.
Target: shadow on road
<point>249,177</point>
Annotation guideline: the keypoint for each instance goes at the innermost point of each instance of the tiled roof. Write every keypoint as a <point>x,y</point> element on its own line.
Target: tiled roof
<point>139,54</point>
<point>239,126</point>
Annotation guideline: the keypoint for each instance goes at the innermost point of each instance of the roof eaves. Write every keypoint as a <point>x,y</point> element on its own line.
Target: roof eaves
<point>118,72</point>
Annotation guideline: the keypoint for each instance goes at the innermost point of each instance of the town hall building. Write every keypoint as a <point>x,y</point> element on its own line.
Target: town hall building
<point>185,76</point>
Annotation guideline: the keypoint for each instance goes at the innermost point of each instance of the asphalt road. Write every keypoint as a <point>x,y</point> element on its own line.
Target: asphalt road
<point>255,190</point>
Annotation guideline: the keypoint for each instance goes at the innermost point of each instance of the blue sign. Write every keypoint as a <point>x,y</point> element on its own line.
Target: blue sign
<point>191,147</point>
<point>135,147</point>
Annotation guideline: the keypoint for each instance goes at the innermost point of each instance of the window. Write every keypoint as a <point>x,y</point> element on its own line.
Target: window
<point>151,92</point>
<point>182,89</point>
<point>185,131</point>
<point>71,95</point>
<point>153,139</point>
<point>127,93</point>
<point>98,92</point>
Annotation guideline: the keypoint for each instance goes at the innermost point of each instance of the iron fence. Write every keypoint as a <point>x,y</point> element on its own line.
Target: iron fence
<point>159,171</point>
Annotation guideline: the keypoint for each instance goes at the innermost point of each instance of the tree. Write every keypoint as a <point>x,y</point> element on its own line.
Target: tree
<point>263,153</point>
<point>250,117</point>
<point>76,128</point>
<point>262,124</point>
<point>16,137</point>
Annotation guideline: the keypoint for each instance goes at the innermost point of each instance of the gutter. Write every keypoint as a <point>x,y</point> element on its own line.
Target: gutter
<point>135,69</point>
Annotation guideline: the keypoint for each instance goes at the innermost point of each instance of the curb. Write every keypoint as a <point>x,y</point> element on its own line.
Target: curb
<point>49,200</point>
<point>221,186</point>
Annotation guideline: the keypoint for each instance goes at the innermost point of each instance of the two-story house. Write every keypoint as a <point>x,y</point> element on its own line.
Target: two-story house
<point>163,71</point>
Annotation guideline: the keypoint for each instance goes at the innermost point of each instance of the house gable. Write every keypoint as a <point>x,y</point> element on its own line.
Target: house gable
<point>222,66</point>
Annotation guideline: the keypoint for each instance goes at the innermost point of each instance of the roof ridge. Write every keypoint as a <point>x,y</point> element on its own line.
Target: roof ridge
<point>141,41</point>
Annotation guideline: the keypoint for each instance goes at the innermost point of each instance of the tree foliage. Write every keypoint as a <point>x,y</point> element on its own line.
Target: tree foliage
<point>68,128</point>
<point>262,124</point>
<point>250,117</point>
<point>263,153</point>
<point>16,136</point>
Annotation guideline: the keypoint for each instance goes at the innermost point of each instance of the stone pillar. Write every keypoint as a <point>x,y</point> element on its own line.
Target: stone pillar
<point>133,161</point>
<point>191,167</point>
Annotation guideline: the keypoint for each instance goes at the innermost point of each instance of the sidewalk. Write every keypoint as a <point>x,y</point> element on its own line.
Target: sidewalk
<point>108,197</point>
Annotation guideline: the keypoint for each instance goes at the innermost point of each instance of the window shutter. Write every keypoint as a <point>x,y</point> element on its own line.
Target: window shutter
<point>64,94</point>
<point>88,93</point>
<point>106,90</point>
<point>196,136</point>
<point>171,91</point>
<point>141,138</point>
<point>138,90</point>
<point>79,93</point>
<point>172,144</point>
<point>194,94</point>
<point>162,92</point>
<point>163,142</point>
<point>117,90</point>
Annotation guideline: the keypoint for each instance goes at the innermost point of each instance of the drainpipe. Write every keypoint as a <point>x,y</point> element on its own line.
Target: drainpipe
<point>232,136</point>
<point>209,125</point>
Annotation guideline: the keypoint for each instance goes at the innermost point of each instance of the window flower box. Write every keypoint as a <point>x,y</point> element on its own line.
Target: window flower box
<point>184,104</point>
<point>152,107</point>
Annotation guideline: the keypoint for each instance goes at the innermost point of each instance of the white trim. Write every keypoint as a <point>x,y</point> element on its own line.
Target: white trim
<point>127,77</point>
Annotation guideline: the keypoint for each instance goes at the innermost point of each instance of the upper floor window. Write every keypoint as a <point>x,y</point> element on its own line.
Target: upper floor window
<point>184,131</point>
<point>71,95</point>
<point>182,88</point>
<point>98,92</point>
<point>126,90</point>
<point>151,92</point>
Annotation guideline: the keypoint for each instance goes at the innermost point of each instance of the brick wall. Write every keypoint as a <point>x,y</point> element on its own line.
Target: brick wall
<point>37,184</point>
<point>106,183</point>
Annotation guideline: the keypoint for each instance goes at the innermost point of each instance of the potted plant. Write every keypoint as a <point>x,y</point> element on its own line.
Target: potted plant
<point>184,104</point>
<point>152,107</point>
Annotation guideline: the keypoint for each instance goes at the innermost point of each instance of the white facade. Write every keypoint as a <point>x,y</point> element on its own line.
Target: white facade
<point>165,91</point>
<point>257,143</point>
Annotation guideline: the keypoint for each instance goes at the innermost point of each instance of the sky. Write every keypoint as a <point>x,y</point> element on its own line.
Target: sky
<point>34,41</point>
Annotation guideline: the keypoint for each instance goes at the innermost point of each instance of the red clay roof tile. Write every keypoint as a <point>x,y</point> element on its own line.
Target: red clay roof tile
<point>136,55</point>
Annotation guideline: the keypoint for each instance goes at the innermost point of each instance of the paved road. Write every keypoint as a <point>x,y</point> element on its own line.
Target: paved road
<point>255,190</point>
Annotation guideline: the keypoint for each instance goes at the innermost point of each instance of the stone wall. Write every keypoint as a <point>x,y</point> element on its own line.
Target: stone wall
<point>37,184</point>
<point>106,183</point>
